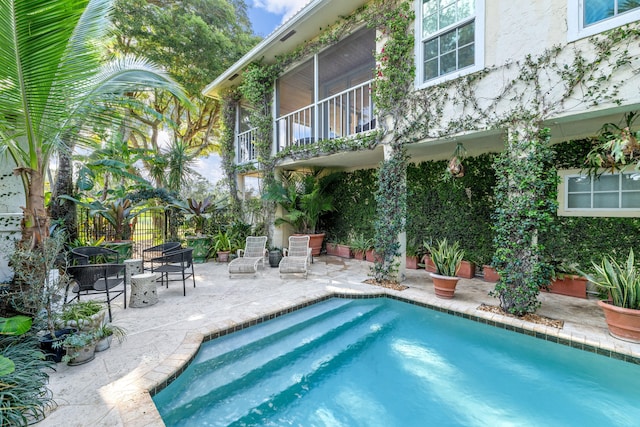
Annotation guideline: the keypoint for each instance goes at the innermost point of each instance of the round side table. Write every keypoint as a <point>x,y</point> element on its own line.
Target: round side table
<point>143,290</point>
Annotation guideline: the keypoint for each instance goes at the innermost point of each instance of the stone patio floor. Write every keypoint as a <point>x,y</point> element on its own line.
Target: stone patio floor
<point>112,390</point>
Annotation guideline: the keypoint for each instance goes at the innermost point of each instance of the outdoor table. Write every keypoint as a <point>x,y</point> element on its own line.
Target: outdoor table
<point>143,290</point>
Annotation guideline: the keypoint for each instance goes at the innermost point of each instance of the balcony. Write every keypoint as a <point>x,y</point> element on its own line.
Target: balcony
<point>342,115</point>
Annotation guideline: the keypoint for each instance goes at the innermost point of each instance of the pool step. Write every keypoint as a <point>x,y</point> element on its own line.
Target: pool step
<point>244,362</point>
<point>260,377</point>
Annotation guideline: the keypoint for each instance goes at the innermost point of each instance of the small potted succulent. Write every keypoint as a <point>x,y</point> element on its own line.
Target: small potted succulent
<point>446,258</point>
<point>106,333</point>
<point>80,348</point>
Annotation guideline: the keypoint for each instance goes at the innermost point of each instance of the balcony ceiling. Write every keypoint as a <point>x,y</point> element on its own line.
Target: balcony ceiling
<point>309,22</point>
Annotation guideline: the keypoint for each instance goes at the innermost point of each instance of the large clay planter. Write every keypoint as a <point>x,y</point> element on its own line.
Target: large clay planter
<point>490,274</point>
<point>315,242</point>
<point>412,262</point>
<point>428,264</point>
<point>623,323</point>
<point>466,270</point>
<point>343,251</point>
<point>573,286</point>
<point>332,249</point>
<point>444,286</point>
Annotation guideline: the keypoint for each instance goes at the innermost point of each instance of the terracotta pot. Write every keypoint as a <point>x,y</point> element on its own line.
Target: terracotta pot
<point>466,270</point>
<point>343,251</point>
<point>623,323</point>
<point>315,242</point>
<point>359,255</point>
<point>573,286</point>
<point>372,256</point>
<point>444,286</point>
<point>332,249</point>
<point>412,262</point>
<point>490,274</point>
<point>428,264</point>
<point>223,256</point>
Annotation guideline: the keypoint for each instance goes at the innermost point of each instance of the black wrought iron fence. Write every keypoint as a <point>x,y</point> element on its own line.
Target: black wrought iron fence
<point>148,229</point>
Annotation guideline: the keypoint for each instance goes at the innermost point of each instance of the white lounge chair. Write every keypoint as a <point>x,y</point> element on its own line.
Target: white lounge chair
<point>248,258</point>
<point>296,257</point>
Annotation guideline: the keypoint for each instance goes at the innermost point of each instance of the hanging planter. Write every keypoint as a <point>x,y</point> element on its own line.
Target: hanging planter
<point>455,168</point>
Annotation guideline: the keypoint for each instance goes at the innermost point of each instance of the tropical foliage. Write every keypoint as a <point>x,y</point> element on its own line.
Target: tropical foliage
<point>57,87</point>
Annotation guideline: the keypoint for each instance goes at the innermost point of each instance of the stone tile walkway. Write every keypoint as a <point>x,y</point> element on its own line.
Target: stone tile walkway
<point>112,390</point>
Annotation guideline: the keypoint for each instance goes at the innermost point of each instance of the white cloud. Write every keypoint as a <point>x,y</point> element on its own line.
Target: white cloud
<point>287,8</point>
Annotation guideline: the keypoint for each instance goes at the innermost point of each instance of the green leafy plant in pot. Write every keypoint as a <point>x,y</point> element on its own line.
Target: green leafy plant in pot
<point>80,348</point>
<point>303,198</point>
<point>106,333</point>
<point>621,283</point>
<point>446,257</point>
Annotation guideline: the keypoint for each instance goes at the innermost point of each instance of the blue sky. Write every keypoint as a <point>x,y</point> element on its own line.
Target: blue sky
<point>265,16</point>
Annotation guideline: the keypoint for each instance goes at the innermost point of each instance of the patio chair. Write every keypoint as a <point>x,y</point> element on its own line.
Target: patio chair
<point>177,262</point>
<point>84,255</point>
<point>91,279</point>
<point>248,258</point>
<point>157,251</point>
<point>296,256</point>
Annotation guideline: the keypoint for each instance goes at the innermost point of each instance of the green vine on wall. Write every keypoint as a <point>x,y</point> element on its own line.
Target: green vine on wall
<point>230,103</point>
<point>525,208</point>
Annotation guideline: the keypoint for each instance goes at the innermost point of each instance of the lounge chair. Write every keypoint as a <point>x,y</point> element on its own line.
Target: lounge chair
<point>296,257</point>
<point>248,258</point>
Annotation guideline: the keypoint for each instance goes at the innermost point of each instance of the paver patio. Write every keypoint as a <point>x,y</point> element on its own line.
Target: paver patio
<point>112,389</point>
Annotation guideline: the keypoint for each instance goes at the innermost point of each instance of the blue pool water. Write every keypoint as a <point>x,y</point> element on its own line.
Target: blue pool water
<point>381,362</point>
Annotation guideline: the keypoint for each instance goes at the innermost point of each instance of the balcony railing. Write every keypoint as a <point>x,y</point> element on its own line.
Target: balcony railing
<point>344,114</point>
<point>246,150</point>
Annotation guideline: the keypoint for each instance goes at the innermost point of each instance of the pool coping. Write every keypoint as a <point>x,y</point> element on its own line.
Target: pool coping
<point>165,373</point>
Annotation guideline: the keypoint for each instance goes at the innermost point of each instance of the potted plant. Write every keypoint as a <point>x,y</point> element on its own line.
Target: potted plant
<point>332,248</point>
<point>303,198</point>
<point>85,316</point>
<point>467,269</point>
<point>106,333</point>
<point>343,250</point>
<point>446,257</point>
<point>621,282</point>
<point>565,280</point>
<point>412,255</point>
<point>222,245</point>
<point>38,288</point>
<point>429,266</point>
<point>80,348</point>
<point>359,244</point>
<point>197,212</point>
<point>490,274</point>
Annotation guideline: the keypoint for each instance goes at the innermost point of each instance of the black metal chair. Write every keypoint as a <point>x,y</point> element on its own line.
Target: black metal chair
<point>91,279</point>
<point>177,262</point>
<point>84,255</point>
<point>157,251</point>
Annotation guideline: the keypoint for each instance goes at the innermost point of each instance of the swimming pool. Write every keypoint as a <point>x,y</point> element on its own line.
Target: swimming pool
<point>381,362</point>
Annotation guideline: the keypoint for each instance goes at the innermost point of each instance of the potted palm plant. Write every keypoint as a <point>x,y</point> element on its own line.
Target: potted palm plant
<point>446,258</point>
<point>222,245</point>
<point>359,245</point>
<point>621,283</point>
<point>106,333</point>
<point>303,199</point>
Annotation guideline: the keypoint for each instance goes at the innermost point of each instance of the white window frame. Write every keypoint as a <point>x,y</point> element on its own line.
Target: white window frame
<point>575,24</point>
<point>478,62</point>
<point>563,192</point>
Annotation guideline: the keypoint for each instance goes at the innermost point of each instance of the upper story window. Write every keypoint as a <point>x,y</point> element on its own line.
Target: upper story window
<point>616,194</point>
<point>588,17</point>
<point>451,38</point>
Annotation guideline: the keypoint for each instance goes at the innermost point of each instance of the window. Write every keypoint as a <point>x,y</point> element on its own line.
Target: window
<point>610,195</point>
<point>589,17</point>
<point>451,38</point>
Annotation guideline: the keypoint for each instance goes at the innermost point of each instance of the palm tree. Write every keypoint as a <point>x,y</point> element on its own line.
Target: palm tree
<point>55,85</point>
